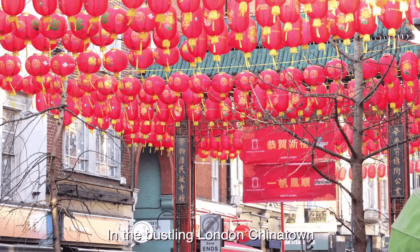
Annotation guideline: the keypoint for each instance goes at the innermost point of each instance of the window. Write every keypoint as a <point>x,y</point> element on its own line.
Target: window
<point>76,146</point>
<point>316,204</point>
<point>8,155</point>
<point>384,199</point>
<point>370,199</point>
<point>215,180</point>
<point>108,152</point>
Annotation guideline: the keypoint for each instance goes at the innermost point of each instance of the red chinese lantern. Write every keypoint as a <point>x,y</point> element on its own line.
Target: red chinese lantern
<point>166,60</point>
<point>417,168</point>
<point>345,29</point>
<point>392,18</point>
<point>238,21</point>
<point>245,81</point>
<point>409,67</point>
<point>259,101</point>
<point>364,172</point>
<point>372,171</point>
<point>13,44</point>
<point>130,86</point>
<point>381,171</point>
<point>377,6</point>
<point>393,92</point>
<point>84,28</point>
<point>28,86</point>
<point>107,85</point>
<point>289,13</point>
<point>63,65</point>
<point>178,82</point>
<point>166,27</point>
<point>154,86</point>
<point>102,39</point>
<point>26,27</point>
<point>132,5</point>
<point>42,101</point>
<point>168,96</point>
<point>142,61</point>
<point>70,8</point>
<point>9,66</point>
<point>191,98</point>
<point>370,68</point>
<point>13,8</point>
<point>166,43</point>
<point>96,8</point>
<point>114,109</point>
<point>264,15</point>
<point>195,113</point>
<point>365,24</point>
<point>332,23</point>
<point>115,61</point>
<point>198,47</point>
<point>212,111</point>
<point>88,63</point>
<point>319,11</point>
<point>320,34</point>
<point>349,8</point>
<point>269,80</point>
<point>115,21</point>
<point>162,112</point>
<point>13,86</point>
<point>314,75</point>
<point>411,90</point>
<point>45,8</point>
<point>222,83</point>
<point>5,24</point>
<point>350,173</point>
<point>214,21</point>
<point>274,41</point>
<point>291,77</point>
<point>217,44</point>
<point>336,69</point>
<point>342,174</point>
<point>186,55</point>
<point>293,37</point>
<point>136,41</point>
<point>388,68</point>
<point>192,22</point>
<point>73,44</point>
<point>178,112</point>
<point>144,20</point>
<point>199,84</point>
<point>38,65</point>
<point>187,8</point>
<point>42,43</point>
<point>249,42</point>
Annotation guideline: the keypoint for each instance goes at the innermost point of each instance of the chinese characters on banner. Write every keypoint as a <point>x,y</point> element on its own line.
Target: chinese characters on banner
<point>182,164</point>
<point>272,145</point>
<point>285,183</point>
<point>396,169</point>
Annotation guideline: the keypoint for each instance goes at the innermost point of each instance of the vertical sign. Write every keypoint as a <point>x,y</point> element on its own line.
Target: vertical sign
<point>182,162</point>
<point>397,171</point>
<point>210,232</point>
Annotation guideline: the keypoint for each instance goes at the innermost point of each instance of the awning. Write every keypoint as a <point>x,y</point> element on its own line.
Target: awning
<point>95,250</point>
<point>233,247</point>
<point>23,248</point>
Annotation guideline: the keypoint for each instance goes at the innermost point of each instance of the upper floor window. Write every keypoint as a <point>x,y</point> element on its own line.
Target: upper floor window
<point>108,152</point>
<point>8,156</point>
<point>215,179</point>
<point>76,146</point>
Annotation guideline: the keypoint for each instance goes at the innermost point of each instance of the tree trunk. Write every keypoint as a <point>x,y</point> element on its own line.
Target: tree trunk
<point>357,182</point>
<point>52,175</point>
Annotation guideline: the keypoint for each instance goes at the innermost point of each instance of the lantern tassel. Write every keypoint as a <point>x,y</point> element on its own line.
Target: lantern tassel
<point>266,32</point>
<point>404,9</point>
<point>91,21</point>
<point>321,47</point>
<point>287,27</point>
<point>243,7</point>
<point>213,40</point>
<point>349,17</point>
<point>192,42</point>
<point>239,36</point>
<point>217,58</point>
<point>275,11</point>
<point>71,19</point>
<point>188,16</point>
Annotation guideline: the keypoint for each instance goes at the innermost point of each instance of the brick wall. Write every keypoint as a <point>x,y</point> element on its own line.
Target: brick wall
<point>204,180</point>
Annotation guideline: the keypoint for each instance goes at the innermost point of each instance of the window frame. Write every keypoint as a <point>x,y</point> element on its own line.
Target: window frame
<point>12,154</point>
<point>85,150</point>
<point>116,152</point>
<point>215,180</point>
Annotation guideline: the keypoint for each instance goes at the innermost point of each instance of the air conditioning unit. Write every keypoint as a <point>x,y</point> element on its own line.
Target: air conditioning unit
<point>371,216</point>
<point>235,200</point>
<point>123,181</point>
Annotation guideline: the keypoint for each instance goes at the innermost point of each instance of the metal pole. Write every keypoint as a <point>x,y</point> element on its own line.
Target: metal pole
<point>282,226</point>
<point>301,245</point>
<point>352,230</point>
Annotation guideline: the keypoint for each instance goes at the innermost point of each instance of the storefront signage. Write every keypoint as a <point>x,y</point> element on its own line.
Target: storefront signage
<point>396,167</point>
<point>182,170</point>
<point>286,183</point>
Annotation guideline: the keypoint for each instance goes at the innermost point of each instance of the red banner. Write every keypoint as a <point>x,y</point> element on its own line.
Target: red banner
<point>272,145</point>
<point>285,183</point>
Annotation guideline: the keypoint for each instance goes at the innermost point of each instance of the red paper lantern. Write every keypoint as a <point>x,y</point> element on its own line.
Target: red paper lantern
<point>102,39</point>
<point>214,21</point>
<point>381,171</point>
<point>264,15</point>
<point>45,8</point>
<point>365,23</point>
<point>166,25</point>
<point>410,90</point>
<point>85,27</point>
<point>178,82</point>
<point>314,75</point>
<point>178,112</point>
<point>28,86</point>
<point>88,63</point>
<point>320,32</point>
<point>115,61</point>
<point>9,66</point>
<point>136,41</point>
<point>249,42</point>
<point>70,8</point>
<point>274,41</point>
<point>198,47</point>
<point>199,84</point>
<point>336,69</point>
<point>291,77</point>
<point>409,67</point>
<point>142,61</point>
<point>38,65</point>
<point>96,8</point>
<point>73,44</point>
<point>372,171</point>
<point>115,21</point>
<point>42,101</point>
<point>342,174</point>
<point>13,86</point>
<point>190,98</point>
<point>145,98</point>
<point>345,29</point>
<point>364,172</point>
<point>222,83</point>
<point>144,20</point>
<point>319,11</point>
<point>370,68</point>
<point>154,86</point>
<point>392,18</point>
<point>166,60</point>
<point>166,43</point>
<point>130,86</point>
<point>332,23</point>
<point>195,113</point>
<point>186,55</point>
<point>13,8</point>
<point>269,80</point>
<point>192,22</point>
<point>393,92</point>
<point>132,5</point>
<point>168,96</point>
<point>13,44</point>
<point>162,111</point>
<point>217,44</point>
<point>388,68</point>
<point>245,81</point>
<point>42,43</point>
<point>259,101</point>
<point>349,8</point>
<point>289,13</point>
<point>5,24</point>
<point>26,27</point>
<point>107,85</point>
<point>63,65</point>
<point>238,21</point>
<point>351,173</point>
<point>293,37</point>
<point>212,111</point>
